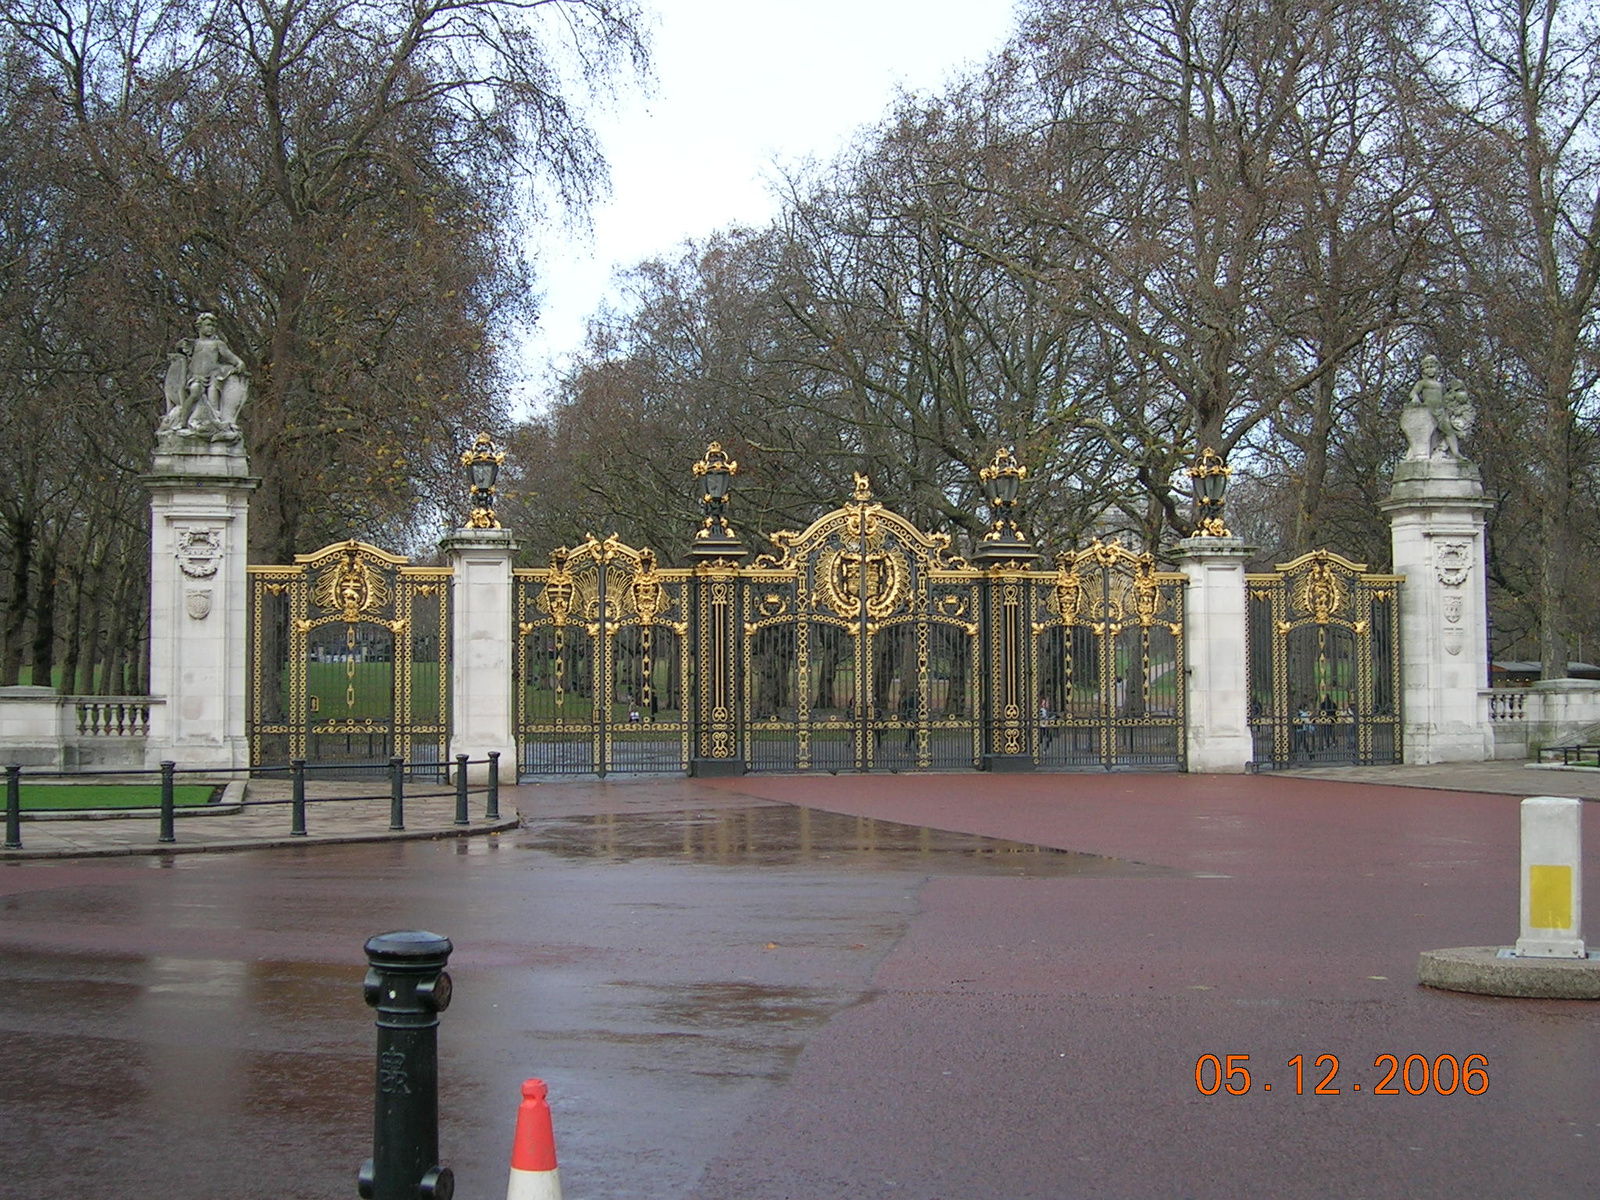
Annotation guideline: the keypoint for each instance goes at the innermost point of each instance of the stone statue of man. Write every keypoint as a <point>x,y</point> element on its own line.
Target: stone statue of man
<point>206,386</point>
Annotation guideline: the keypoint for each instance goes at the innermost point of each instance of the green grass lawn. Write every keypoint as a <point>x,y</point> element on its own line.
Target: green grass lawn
<point>70,797</point>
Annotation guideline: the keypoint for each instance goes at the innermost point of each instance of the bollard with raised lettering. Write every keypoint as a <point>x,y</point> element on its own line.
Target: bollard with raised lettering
<point>1552,878</point>
<point>407,983</point>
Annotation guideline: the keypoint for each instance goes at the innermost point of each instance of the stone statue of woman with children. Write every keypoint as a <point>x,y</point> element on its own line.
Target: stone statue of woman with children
<point>1436,415</point>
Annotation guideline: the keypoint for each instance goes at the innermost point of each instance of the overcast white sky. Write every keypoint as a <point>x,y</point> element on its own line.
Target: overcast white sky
<point>741,86</point>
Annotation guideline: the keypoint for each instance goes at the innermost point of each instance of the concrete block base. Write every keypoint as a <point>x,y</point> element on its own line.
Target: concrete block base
<point>1007,764</point>
<point>715,768</point>
<point>1480,969</point>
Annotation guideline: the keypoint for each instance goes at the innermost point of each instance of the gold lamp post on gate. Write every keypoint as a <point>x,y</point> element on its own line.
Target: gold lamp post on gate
<point>1005,542</point>
<point>715,538</point>
<point>1210,476</point>
<point>483,469</point>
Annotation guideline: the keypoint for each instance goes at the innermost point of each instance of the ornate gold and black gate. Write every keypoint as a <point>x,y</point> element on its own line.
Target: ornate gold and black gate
<point>860,647</point>
<point>1324,663</point>
<point>1107,661</point>
<point>603,669</point>
<point>349,659</point>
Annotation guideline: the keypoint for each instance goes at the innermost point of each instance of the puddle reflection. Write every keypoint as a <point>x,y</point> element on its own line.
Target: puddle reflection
<point>782,835</point>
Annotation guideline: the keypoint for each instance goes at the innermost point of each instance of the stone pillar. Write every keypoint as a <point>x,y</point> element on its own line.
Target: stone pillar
<point>1436,513</point>
<point>482,651</point>
<point>1216,641</point>
<point>199,595</point>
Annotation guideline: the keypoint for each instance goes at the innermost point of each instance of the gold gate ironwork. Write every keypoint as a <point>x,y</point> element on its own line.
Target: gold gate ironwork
<point>1106,658</point>
<point>860,647</point>
<point>603,667</point>
<point>1324,660</point>
<point>349,659</point>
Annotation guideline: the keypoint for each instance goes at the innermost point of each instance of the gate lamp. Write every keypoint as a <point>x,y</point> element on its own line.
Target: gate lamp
<point>483,469</point>
<point>715,538</point>
<point>717,470</point>
<point>1002,480</point>
<point>1210,478</point>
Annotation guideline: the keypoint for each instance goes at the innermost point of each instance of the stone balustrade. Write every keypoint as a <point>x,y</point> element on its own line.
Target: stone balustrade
<point>1524,720</point>
<point>41,728</point>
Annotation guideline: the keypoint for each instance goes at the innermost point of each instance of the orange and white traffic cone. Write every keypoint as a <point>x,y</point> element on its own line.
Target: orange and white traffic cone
<point>533,1150</point>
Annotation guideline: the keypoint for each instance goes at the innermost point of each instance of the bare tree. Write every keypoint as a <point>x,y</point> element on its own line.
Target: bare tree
<point>1524,83</point>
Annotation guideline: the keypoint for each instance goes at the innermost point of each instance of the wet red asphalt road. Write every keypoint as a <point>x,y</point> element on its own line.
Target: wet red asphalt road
<point>724,1024</point>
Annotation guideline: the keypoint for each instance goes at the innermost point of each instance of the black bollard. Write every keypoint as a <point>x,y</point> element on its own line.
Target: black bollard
<point>492,812</point>
<point>167,834</point>
<point>297,820</point>
<point>407,983</point>
<point>13,806</point>
<point>397,795</point>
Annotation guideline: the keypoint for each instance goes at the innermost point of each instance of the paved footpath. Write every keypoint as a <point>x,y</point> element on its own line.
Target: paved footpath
<point>1039,1037</point>
<point>727,1019</point>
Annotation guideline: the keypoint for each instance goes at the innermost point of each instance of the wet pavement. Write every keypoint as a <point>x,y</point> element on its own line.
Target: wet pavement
<point>924,986</point>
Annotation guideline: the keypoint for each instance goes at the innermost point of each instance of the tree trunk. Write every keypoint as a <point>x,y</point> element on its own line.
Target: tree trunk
<point>22,536</point>
<point>44,618</point>
<point>73,644</point>
<point>1554,530</point>
<point>116,683</point>
<point>1309,511</point>
<point>95,581</point>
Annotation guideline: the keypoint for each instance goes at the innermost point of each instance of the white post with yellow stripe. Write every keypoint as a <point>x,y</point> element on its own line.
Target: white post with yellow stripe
<point>1552,878</point>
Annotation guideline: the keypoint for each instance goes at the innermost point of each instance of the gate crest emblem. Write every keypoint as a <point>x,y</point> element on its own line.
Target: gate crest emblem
<point>844,572</point>
<point>1067,596</point>
<point>1319,592</point>
<point>557,597</point>
<point>351,588</point>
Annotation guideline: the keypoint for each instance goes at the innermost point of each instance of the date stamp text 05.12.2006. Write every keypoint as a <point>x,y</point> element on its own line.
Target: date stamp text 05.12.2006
<point>1391,1075</point>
